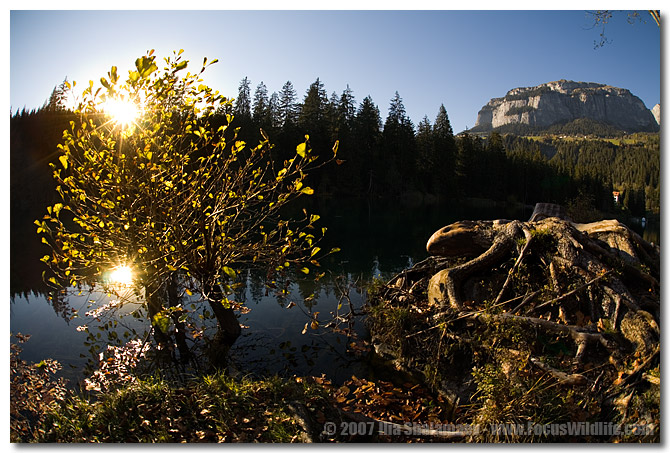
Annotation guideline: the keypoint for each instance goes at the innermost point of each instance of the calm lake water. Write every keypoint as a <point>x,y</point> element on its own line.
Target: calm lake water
<point>376,240</point>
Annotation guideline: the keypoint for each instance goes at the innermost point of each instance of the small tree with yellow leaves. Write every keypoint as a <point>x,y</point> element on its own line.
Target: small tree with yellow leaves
<point>154,181</point>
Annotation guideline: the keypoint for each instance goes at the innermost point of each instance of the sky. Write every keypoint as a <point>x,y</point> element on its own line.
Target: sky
<point>460,59</point>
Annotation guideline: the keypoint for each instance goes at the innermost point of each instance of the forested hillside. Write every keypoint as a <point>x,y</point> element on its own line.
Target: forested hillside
<point>391,156</point>
<point>629,165</point>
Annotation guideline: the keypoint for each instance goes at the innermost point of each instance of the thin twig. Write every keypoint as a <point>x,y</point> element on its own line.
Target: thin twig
<point>526,299</point>
<point>425,330</point>
<point>627,380</point>
<point>563,378</point>
<point>522,254</point>
<point>570,293</point>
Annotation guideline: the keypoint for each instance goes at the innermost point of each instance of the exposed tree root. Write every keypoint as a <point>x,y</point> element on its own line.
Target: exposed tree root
<point>499,286</point>
<point>580,336</point>
<point>563,378</point>
<point>579,259</point>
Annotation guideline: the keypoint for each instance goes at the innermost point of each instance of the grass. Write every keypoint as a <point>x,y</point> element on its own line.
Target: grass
<point>214,408</point>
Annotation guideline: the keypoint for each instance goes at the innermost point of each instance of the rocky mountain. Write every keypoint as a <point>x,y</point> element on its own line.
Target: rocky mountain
<point>656,111</point>
<point>565,101</point>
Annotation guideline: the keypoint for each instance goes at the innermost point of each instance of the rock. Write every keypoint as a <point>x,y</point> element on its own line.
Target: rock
<point>656,111</point>
<point>301,415</point>
<point>437,287</point>
<point>641,330</point>
<point>545,210</point>
<point>385,351</point>
<point>563,101</point>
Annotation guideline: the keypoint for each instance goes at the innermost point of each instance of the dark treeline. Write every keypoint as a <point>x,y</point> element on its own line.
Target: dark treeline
<point>384,158</point>
<point>34,136</point>
<point>390,157</point>
<point>377,158</point>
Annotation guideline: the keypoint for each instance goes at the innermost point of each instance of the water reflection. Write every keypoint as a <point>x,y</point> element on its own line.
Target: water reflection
<point>62,330</point>
<point>280,339</point>
<point>376,240</point>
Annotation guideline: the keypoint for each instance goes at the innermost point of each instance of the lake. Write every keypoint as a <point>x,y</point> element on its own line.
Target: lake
<point>376,240</point>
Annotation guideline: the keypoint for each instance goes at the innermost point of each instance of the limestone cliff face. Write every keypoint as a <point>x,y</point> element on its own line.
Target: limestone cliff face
<point>564,101</point>
<point>656,111</point>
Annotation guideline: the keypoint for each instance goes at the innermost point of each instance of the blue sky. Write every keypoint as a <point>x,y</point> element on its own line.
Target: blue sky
<point>457,58</point>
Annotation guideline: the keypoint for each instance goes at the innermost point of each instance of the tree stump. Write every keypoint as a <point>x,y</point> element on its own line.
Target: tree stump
<point>577,305</point>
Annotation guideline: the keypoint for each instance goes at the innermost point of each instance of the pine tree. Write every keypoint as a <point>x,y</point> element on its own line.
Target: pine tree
<point>442,123</point>
<point>398,139</point>
<point>312,114</point>
<point>261,107</point>
<point>350,176</point>
<point>347,106</point>
<point>57,101</point>
<point>242,108</point>
<point>331,114</point>
<point>444,153</point>
<point>494,165</point>
<point>465,164</point>
<point>242,113</point>
<point>275,119</point>
<point>288,108</point>
<point>425,154</point>
<point>345,115</point>
<point>368,118</point>
<point>367,136</point>
<point>396,111</point>
<point>313,120</point>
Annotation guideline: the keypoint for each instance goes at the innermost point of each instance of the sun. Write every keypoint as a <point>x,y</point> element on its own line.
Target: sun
<point>122,275</point>
<point>123,112</point>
